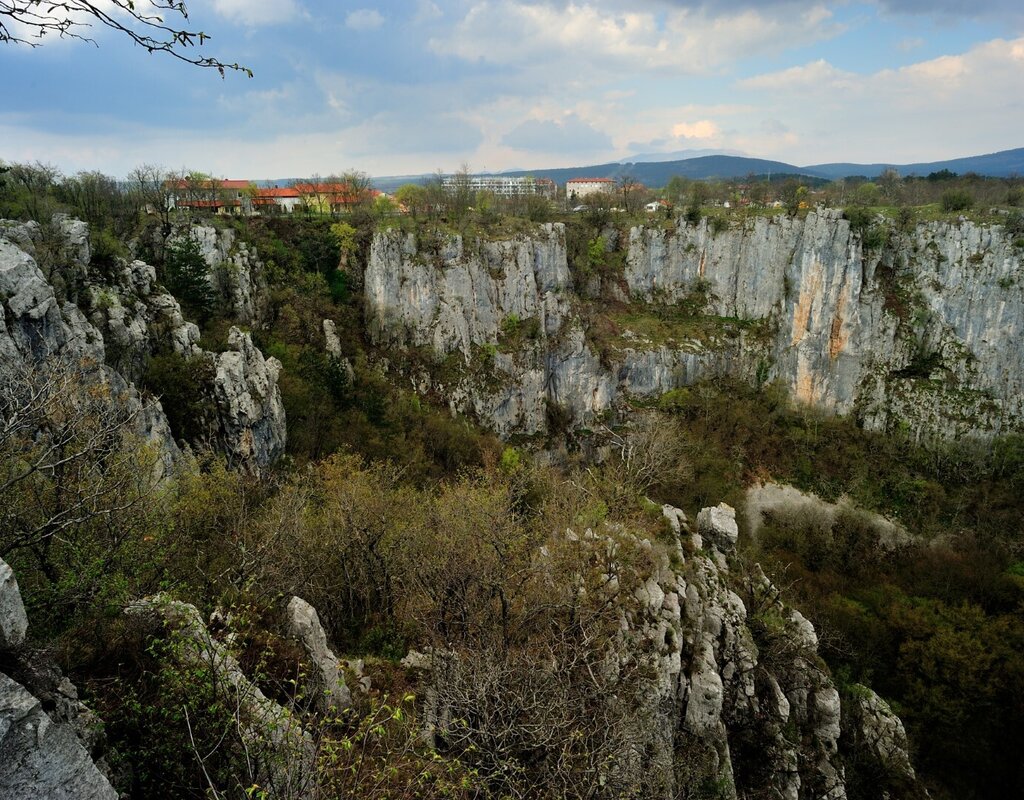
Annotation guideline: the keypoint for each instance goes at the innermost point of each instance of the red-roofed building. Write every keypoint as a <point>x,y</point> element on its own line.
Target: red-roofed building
<point>276,199</point>
<point>211,194</point>
<point>333,197</point>
<point>244,197</point>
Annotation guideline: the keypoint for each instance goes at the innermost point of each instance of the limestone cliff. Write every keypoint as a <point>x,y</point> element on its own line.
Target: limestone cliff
<point>920,330</point>
<point>108,319</point>
<point>728,696</point>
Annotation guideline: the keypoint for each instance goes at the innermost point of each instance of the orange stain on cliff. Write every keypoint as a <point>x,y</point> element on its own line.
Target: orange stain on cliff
<point>810,288</point>
<point>836,339</point>
<point>804,388</point>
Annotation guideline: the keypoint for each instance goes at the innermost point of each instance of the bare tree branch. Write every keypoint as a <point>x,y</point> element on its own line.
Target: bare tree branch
<point>28,22</point>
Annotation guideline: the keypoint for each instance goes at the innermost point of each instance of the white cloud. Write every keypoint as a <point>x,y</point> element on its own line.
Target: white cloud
<point>364,19</point>
<point>683,41</point>
<point>818,75</point>
<point>258,12</point>
<point>701,129</point>
<point>938,108</point>
<point>426,10</point>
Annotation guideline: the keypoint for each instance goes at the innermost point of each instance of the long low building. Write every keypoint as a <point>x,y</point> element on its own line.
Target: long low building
<point>501,185</point>
<point>579,188</point>
<point>245,197</point>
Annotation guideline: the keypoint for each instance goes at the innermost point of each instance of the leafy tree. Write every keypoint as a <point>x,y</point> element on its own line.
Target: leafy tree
<point>186,276</point>
<point>414,198</point>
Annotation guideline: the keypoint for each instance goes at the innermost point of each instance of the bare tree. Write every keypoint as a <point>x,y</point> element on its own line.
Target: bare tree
<point>650,451</point>
<point>144,23</point>
<point>71,466</point>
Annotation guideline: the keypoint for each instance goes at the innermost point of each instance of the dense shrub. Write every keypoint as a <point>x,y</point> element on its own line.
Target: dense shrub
<point>956,200</point>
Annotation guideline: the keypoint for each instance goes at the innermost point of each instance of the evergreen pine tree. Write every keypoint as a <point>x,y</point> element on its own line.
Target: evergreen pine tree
<point>186,276</point>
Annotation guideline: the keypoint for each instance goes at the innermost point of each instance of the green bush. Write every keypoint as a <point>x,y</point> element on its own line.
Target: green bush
<point>956,200</point>
<point>184,387</point>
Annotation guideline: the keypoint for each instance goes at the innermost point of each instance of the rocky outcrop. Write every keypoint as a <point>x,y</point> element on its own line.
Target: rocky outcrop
<point>876,736</point>
<point>38,331</point>
<point>249,405</point>
<point>280,753</point>
<point>236,272</point>
<point>332,696</point>
<point>121,320</point>
<point>727,694</point>
<point>919,331</point>
<point>46,734</point>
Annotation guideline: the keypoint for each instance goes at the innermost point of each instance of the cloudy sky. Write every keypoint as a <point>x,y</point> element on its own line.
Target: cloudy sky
<point>412,86</point>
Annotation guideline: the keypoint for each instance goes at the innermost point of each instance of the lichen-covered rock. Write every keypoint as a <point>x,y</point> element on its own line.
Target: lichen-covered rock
<point>332,695</point>
<point>40,757</point>
<point>13,622</point>
<point>249,405</point>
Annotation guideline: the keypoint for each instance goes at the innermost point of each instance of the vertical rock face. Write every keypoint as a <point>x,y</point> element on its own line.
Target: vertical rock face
<point>249,405</point>
<point>122,318</point>
<point>236,273</point>
<point>923,331</point>
<point>42,754</point>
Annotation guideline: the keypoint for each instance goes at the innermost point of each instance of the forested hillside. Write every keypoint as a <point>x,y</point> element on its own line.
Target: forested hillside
<point>496,501</point>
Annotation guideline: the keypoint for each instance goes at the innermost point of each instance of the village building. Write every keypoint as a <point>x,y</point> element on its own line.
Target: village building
<point>501,185</point>
<point>578,188</point>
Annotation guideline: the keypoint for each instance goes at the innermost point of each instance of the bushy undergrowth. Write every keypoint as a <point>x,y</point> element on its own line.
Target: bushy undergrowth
<point>935,624</point>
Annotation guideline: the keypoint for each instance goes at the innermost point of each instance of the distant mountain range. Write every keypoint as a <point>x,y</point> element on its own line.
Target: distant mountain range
<point>655,174</point>
<point>677,155</point>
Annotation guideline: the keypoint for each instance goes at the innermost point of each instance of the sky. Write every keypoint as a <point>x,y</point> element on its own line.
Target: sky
<point>405,87</point>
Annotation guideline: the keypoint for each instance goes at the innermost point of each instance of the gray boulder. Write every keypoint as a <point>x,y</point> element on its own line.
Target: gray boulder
<point>40,758</point>
<point>13,622</point>
<point>332,695</point>
<point>717,526</point>
<point>42,754</point>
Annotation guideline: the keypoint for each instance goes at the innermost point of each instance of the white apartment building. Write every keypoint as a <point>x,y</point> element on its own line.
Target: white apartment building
<point>502,185</point>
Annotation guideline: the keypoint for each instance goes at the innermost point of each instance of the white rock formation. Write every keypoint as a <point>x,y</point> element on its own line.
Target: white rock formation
<point>127,319</point>
<point>332,695</point>
<point>249,405</point>
<point>924,332</point>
